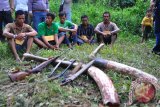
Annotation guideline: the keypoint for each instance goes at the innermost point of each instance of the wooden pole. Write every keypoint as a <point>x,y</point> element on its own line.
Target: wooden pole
<point>93,54</point>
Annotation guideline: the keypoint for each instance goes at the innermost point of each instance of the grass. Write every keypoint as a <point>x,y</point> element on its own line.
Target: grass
<point>126,50</point>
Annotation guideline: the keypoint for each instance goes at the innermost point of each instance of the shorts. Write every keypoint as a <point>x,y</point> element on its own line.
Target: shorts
<point>22,47</point>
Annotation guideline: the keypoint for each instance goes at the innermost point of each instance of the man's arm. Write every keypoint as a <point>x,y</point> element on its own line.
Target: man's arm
<point>92,33</point>
<point>64,29</point>
<point>7,33</point>
<point>56,40</point>
<point>69,30</point>
<point>116,29</point>
<point>31,32</point>
<point>47,5</point>
<point>152,4</point>
<point>97,30</point>
<point>11,5</point>
<point>143,28</point>
<point>30,6</point>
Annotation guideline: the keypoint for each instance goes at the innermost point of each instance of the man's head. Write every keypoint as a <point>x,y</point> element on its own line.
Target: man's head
<point>149,13</point>
<point>84,20</point>
<point>49,18</point>
<point>62,17</point>
<point>20,17</point>
<point>106,16</point>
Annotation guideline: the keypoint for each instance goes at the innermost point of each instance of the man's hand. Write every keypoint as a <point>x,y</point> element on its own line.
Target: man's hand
<point>89,41</point>
<point>152,4</point>
<point>106,33</point>
<point>56,47</point>
<point>21,36</point>
<point>73,30</point>
<point>30,13</point>
<point>12,10</point>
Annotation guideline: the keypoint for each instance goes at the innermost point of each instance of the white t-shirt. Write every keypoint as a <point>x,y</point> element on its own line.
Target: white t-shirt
<point>21,5</point>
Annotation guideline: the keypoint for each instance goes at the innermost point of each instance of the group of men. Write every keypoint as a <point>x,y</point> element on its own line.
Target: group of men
<point>46,32</point>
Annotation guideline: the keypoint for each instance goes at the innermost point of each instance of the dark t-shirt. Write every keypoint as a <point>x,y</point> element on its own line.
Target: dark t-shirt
<point>88,31</point>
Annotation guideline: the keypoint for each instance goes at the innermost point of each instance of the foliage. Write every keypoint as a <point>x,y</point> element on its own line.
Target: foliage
<point>128,19</point>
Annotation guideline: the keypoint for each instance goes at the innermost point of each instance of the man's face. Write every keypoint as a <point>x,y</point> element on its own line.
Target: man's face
<point>84,21</point>
<point>62,19</point>
<point>49,20</point>
<point>106,17</point>
<point>20,19</point>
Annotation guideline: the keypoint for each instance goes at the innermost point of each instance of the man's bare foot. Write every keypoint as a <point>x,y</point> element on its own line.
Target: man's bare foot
<point>18,60</point>
<point>70,46</point>
<point>23,58</point>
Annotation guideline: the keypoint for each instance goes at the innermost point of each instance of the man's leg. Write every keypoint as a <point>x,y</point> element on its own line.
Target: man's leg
<point>66,41</point>
<point>13,48</point>
<point>40,43</point>
<point>60,39</point>
<point>36,20</point>
<point>74,38</point>
<point>113,39</point>
<point>7,18</point>
<point>148,31</point>
<point>93,41</point>
<point>80,41</point>
<point>1,23</point>
<point>26,17</point>
<point>156,48</point>
<point>42,16</point>
<point>29,44</point>
<point>100,38</point>
<point>68,16</point>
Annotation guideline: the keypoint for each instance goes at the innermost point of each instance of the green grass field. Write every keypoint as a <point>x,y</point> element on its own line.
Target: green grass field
<point>36,91</point>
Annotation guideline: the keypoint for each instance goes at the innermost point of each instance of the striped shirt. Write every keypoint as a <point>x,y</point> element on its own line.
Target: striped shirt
<point>88,31</point>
